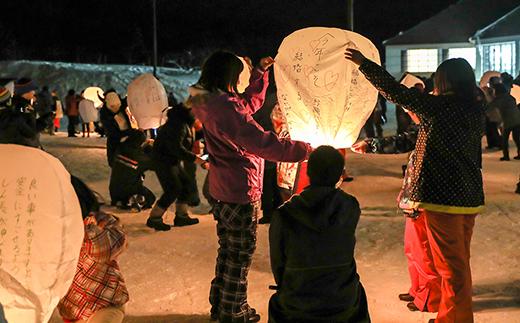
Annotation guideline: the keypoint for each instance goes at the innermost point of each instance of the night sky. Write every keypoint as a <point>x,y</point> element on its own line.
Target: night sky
<point>120,31</point>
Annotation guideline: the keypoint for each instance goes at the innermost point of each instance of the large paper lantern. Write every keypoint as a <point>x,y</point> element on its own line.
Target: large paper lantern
<point>147,99</point>
<point>41,232</point>
<point>93,94</point>
<point>88,111</point>
<point>326,98</point>
<point>409,80</point>
<point>484,80</point>
<point>243,79</point>
<point>515,92</point>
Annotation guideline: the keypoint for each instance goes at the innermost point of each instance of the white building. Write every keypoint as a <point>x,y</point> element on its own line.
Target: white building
<point>485,33</point>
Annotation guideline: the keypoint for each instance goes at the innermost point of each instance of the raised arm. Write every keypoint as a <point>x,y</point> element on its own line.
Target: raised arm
<point>254,95</point>
<point>423,104</point>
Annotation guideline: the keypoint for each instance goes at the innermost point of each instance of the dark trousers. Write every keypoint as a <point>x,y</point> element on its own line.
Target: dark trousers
<point>492,135</point>
<point>174,183</point>
<point>505,140</point>
<point>403,120</point>
<point>236,230</point>
<point>191,171</point>
<point>373,121</point>
<point>271,196</point>
<point>73,121</point>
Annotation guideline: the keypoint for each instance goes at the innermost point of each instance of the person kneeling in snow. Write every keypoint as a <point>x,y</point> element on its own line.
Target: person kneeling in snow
<point>132,159</point>
<point>312,240</point>
<point>98,292</point>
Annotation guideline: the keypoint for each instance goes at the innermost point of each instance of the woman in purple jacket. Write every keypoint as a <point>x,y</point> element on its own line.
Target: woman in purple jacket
<point>237,147</point>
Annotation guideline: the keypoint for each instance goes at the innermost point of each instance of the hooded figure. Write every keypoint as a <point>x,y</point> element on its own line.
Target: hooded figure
<point>312,240</point>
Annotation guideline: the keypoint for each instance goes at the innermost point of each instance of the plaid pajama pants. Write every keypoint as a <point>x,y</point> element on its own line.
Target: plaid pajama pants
<point>236,230</point>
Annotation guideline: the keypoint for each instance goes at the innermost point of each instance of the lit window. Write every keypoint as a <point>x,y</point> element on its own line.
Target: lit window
<point>421,60</point>
<point>499,57</point>
<point>469,54</point>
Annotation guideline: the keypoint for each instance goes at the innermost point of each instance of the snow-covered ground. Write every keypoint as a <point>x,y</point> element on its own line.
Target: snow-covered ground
<point>168,273</point>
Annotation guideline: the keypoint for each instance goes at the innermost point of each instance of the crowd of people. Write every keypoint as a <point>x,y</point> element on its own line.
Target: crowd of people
<point>312,234</point>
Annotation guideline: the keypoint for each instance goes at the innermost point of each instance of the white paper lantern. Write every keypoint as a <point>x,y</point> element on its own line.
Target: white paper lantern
<point>484,80</point>
<point>243,79</point>
<point>326,98</point>
<point>41,232</point>
<point>147,99</point>
<point>88,111</point>
<point>93,93</point>
<point>409,80</point>
<point>515,92</point>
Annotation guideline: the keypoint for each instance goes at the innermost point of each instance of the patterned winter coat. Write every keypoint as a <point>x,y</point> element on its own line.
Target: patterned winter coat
<point>447,173</point>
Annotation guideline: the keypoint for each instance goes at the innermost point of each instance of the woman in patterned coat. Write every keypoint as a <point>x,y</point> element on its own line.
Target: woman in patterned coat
<point>446,184</point>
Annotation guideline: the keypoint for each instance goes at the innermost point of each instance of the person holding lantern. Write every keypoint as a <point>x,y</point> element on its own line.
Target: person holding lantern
<point>237,147</point>
<point>446,184</point>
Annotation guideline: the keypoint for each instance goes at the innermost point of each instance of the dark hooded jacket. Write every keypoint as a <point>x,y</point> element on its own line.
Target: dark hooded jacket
<point>312,240</point>
<point>175,138</point>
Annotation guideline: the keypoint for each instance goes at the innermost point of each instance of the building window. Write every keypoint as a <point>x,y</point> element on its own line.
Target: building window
<point>422,60</point>
<point>469,54</point>
<point>499,57</point>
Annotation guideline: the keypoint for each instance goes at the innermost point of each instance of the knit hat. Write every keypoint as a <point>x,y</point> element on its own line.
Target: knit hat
<point>325,166</point>
<point>5,95</point>
<point>24,85</point>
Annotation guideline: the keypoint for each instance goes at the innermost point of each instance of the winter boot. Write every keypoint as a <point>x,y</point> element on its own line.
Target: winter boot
<point>182,220</point>
<point>155,220</point>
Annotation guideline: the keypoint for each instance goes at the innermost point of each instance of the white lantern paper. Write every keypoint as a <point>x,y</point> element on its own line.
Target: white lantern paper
<point>515,92</point>
<point>93,93</point>
<point>484,80</point>
<point>41,232</point>
<point>88,111</point>
<point>325,98</point>
<point>243,79</point>
<point>409,80</point>
<point>147,99</point>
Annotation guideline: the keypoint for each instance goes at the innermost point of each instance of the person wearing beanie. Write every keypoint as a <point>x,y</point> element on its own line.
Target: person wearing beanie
<point>312,242</point>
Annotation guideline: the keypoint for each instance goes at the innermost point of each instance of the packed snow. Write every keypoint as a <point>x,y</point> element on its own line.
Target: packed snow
<point>168,274</point>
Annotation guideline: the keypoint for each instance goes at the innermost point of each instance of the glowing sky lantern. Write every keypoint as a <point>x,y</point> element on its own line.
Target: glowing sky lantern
<point>88,111</point>
<point>41,232</point>
<point>325,98</point>
<point>484,80</point>
<point>243,79</point>
<point>147,99</point>
<point>93,93</point>
<point>409,80</point>
<point>515,92</point>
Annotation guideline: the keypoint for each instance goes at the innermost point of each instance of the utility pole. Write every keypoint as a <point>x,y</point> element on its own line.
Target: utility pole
<point>154,5</point>
<point>350,15</point>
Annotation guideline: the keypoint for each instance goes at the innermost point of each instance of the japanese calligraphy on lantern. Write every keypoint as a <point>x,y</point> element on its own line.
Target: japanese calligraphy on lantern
<point>325,98</point>
<point>147,99</point>
<point>41,231</point>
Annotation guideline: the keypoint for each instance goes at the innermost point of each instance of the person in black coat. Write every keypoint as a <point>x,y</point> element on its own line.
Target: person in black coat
<point>171,147</point>
<point>116,122</point>
<point>312,241</point>
<point>132,159</point>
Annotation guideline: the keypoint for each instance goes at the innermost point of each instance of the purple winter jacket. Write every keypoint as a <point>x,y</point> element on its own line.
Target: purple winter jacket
<point>237,145</point>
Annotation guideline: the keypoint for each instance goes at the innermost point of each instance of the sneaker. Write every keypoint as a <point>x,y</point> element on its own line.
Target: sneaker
<point>412,307</point>
<point>158,224</point>
<point>504,159</point>
<point>184,220</point>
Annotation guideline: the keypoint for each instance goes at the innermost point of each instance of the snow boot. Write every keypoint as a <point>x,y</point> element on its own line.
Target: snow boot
<point>155,220</point>
<point>182,220</point>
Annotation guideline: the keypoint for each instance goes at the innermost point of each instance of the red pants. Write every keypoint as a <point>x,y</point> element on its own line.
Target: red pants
<point>426,282</point>
<point>449,237</point>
